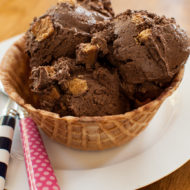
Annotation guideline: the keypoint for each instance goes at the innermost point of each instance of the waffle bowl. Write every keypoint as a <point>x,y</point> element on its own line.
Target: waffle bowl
<point>84,133</point>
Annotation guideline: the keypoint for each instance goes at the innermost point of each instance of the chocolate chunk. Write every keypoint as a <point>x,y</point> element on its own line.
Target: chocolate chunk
<point>43,28</point>
<point>42,77</point>
<point>87,54</point>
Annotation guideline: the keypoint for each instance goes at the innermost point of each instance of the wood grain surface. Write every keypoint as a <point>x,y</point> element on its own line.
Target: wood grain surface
<point>15,16</point>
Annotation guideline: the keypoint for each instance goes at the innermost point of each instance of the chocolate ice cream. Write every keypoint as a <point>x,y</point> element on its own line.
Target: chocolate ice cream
<point>102,6</point>
<point>148,51</point>
<point>59,31</point>
<point>69,89</point>
<point>86,62</point>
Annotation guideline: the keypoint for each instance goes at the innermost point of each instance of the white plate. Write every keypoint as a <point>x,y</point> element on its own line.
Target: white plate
<point>159,150</point>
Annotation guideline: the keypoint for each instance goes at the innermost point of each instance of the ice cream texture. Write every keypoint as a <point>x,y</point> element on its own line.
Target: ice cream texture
<point>87,62</point>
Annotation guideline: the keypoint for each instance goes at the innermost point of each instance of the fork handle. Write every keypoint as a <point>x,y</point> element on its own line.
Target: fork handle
<point>39,170</point>
<point>7,125</point>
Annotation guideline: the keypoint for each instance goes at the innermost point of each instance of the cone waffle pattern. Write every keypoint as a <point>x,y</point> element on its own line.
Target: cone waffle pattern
<point>85,133</point>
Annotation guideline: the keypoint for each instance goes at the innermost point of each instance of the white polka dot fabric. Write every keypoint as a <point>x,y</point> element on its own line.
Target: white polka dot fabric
<point>39,170</point>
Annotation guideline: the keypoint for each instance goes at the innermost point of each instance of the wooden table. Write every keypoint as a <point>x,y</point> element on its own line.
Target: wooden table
<point>15,16</point>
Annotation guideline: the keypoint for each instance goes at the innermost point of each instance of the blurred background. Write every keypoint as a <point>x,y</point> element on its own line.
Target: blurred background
<point>15,16</point>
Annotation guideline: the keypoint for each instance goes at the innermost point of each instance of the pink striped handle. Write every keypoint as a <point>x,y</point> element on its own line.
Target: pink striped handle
<point>39,170</point>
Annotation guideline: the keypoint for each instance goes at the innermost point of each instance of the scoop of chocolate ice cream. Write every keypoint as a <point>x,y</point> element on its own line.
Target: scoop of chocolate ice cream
<point>148,51</point>
<point>59,31</point>
<point>68,88</point>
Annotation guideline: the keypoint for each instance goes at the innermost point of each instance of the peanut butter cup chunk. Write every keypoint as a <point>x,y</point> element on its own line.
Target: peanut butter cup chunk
<point>43,28</point>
